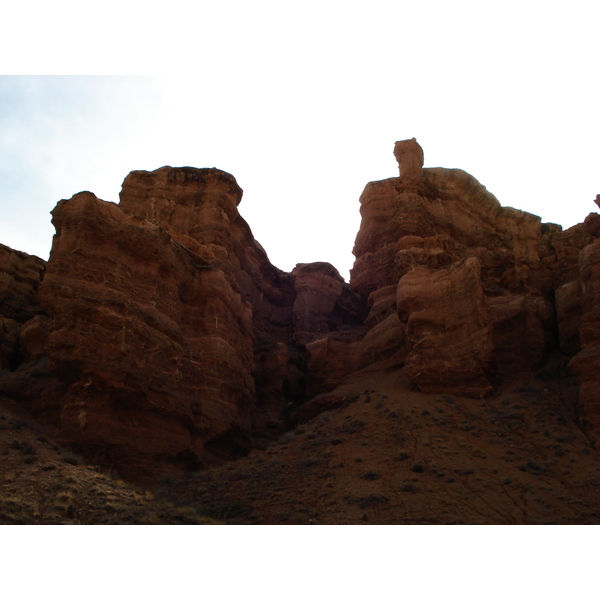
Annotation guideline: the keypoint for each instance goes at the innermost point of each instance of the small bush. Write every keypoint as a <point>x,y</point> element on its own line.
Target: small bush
<point>352,427</point>
<point>534,466</point>
<point>409,487</point>
<point>350,400</point>
<point>370,476</point>
<point>308,462</point>
<point>16,423</point>
<point>371,500</point>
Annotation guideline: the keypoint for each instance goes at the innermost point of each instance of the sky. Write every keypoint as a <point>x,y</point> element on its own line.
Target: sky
<point>301,102</point>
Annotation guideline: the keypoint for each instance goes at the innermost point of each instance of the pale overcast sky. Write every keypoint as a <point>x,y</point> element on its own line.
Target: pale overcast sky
<point>301,102</point>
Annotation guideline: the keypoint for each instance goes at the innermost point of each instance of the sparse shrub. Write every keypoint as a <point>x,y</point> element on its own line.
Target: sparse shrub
<point>70,459</point>
<point>417,468</point>
<point>352,427</point>
<point>324,418</point>
<point>308,462</point>
<point>371,500</point>
<point>336,441</point>
<point>464,471</point>
<point>16,423</point>
<point>402,455</point>
<point>27,448</point>
<point>409,487</point>
<point>287,437</point>
<point>350,400</point>
<point>370,475</point>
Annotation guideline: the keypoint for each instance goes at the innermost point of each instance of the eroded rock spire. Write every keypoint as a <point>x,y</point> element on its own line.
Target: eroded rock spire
<point>410,158</point>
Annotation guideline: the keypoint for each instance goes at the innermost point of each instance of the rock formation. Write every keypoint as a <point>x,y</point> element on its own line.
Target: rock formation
<point>160,338</point>
<point>20,276</point>
<point>409,155</point>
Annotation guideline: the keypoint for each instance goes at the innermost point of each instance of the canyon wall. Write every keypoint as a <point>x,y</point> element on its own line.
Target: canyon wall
<point>159,338</point>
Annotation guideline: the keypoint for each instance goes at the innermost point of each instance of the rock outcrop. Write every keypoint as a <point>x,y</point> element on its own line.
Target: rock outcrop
<point>159,337</point>
<point>20,276</point>
<point>410,157</point>
<point>586,363</point>
<point>448,327</point>
<point>414,233</point>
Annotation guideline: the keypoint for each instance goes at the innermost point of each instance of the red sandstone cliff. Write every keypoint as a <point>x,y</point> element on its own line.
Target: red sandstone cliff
<point>159,336</point>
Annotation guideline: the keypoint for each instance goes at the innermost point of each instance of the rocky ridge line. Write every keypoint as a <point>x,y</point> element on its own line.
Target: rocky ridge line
<point>160,339</point>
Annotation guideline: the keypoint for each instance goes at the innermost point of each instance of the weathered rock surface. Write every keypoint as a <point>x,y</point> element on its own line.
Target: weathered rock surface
<point>20,276</point>
<point>164,338</point>
<point>409,155</point>
<point>151,340</point>
<point>586,363</point>
<point>448,327</point>
<point>159,337</point>
<point>423,226</point>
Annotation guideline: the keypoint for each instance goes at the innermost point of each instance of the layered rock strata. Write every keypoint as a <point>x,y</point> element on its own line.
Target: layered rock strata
<point>419,229</point>
<point>160,338</point>
<point>20,277</point>
<point>163,338</point>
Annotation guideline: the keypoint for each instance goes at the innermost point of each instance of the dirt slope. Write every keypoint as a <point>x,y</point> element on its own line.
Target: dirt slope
<point>390,455</point>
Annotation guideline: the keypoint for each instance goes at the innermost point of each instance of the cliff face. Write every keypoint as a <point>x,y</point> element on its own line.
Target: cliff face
<point>160,338</point>
<point>463,273</point>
